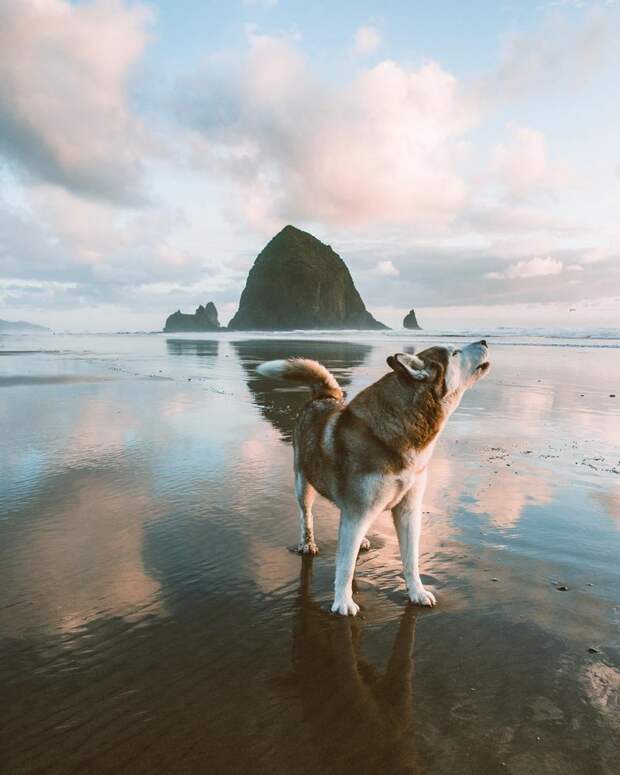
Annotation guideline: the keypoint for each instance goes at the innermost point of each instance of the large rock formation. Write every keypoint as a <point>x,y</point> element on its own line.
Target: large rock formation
<point>410,321</point>
<point>297,282</point>
<point>204,319</point>
<point>21,326</point>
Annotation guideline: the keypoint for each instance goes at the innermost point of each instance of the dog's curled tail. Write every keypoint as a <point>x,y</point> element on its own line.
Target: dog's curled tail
<point>306,372</point>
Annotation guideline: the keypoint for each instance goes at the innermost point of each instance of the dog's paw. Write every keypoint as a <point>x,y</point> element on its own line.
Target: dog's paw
<point>345,607</point>
<point>310,548</point>
<point>421,596</point>
<point>365,545</point>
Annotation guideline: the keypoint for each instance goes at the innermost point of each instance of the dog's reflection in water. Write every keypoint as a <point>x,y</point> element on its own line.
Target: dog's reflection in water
<point>360,718</point>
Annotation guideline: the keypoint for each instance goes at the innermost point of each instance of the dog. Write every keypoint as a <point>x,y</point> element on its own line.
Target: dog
<point>371,454</point>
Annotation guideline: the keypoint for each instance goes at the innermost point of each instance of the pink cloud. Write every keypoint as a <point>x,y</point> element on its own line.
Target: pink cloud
<point>366,40</point>
<point>63,107</point>
<point>534,267</point>
<point>386,148</point>
<point>523,167</point>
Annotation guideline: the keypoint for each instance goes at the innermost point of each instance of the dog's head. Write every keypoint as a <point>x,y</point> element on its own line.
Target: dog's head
<point>449,370</point>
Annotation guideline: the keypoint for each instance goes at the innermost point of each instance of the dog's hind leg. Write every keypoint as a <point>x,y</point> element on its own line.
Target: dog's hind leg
<point>407,517</point>
<point>305,498</point>
<point>350,536</point>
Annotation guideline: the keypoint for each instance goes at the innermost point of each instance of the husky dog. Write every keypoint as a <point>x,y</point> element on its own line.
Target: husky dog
<point>371,454</point>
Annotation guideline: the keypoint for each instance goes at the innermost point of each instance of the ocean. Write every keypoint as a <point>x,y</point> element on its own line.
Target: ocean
<point>153,617</point>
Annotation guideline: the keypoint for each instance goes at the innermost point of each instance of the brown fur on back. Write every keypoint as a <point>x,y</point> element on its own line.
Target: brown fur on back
<point>377,432</point>
<point>311,456</point>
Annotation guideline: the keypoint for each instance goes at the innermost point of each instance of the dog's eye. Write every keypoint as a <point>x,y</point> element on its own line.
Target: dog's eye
<point>456,352</point>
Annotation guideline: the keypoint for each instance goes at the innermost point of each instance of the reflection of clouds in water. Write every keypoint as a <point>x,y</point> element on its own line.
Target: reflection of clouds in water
<point>610,500</point>
<point>259,458</point>
<point>597,427</point>
<point>442,483</point>
<point>101,428</point>
<point>66,431</point>
<point>556,413</point>
<point>196,416</point>
<point>504,496</point>
<point>501,496</point>
<point>441,500</point>
<point>31,425</point>
<point>530,405</point>
<point>257,452</point>
<point>178,403</point>
<point>87,562</point>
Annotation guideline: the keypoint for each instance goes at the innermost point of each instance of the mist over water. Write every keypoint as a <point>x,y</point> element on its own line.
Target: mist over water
<point>153,619</point>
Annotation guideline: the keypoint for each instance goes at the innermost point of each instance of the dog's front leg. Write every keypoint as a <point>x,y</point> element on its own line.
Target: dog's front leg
<point>350,535</point>
<point>408,523</point>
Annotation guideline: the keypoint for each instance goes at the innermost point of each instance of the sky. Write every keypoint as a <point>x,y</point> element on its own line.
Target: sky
<point>462,158</point>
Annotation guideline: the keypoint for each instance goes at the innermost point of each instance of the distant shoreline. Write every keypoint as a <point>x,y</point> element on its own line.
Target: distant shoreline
<point>502,336</point>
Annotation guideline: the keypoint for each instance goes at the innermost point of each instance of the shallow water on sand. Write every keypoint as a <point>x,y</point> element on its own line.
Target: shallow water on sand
<point>152,619</point>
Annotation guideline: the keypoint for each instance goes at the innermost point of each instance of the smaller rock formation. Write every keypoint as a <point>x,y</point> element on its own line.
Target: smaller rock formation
<point>204,319</point>
<point>411,322</point>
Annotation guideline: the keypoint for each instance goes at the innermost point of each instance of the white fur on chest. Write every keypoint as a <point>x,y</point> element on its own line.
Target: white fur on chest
<point>396,486</point>
<point>418,459</point>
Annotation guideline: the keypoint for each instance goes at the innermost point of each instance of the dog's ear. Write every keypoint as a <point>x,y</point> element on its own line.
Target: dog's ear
<point>409,365</point>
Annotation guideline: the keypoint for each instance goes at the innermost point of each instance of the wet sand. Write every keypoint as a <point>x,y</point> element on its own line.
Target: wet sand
<point>153,620</point>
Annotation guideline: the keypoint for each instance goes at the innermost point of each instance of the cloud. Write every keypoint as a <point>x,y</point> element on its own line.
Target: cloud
<point>366,40</point>
<point>386,269</point>
<point>64,112</point>
<point>13,288</point>
<point>81,263</point>
<point>509,219</point>
<point>61,237</point>
<point>604,252</point>
<point>523,167</point>
<point>534,267</point>
<point>382,159</point>
<point>433,275</point>
<point>386,148</point>
<point>559,55</point>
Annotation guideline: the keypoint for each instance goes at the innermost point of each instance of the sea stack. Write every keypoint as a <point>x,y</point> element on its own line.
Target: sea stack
<point>204,319</point>
<point>411,322</point>
<point>297,282</point>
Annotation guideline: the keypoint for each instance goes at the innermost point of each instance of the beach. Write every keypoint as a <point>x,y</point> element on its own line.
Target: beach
<point>154,619</point>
